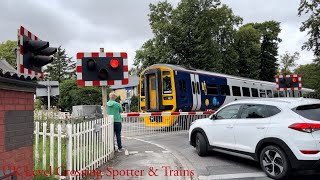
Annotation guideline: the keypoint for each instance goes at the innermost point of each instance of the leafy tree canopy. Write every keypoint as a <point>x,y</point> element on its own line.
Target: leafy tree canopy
<point>311,25</point>
<point>196,31</point>
<point>199,32</point>
<point>7,52</point>
<point>72,95</point>
<point>288,61</point>
<point>61,68</point>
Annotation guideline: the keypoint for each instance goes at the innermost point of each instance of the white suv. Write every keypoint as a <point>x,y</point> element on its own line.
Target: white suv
<point>282,134</point>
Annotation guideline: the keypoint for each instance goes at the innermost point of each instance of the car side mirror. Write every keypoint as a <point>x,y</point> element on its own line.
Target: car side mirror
<point>213,117</point>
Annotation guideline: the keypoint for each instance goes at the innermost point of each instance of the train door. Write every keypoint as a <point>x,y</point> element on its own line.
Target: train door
<point>152,91</point>
<point>183,94</point>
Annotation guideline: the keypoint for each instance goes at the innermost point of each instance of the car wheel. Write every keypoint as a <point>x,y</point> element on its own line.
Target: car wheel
<point>274,162</point>
<point>201,145</point>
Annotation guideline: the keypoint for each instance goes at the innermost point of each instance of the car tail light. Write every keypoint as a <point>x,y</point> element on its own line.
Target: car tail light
<point>309,152</point>
<point>305,127</point>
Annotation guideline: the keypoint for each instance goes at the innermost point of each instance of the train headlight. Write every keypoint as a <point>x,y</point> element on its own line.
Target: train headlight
<point>168,98</point>
<point>143,99</point>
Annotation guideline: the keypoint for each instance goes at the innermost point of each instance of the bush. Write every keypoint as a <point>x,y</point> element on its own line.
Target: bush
<point>134,105</point>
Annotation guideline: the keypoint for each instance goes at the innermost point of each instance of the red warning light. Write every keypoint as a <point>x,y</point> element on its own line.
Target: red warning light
<point>294,80</point>
<point>114,63</point>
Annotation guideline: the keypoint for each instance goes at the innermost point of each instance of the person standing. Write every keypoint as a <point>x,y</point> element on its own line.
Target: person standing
<point>114,108</point>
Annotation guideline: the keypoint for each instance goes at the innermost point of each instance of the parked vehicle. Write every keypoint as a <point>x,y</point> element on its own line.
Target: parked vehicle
<point>280,133</point>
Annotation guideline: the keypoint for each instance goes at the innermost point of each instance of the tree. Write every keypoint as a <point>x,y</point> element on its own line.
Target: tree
<point>311,25</point>
<point>196,31</point>
<point>288,61</point>
<point>247,45</point>
<point>72,95</point>
<point>310,75</point>
<point>269,40</point>
<point>7,52</point>
<point>134,104</point>
<point>61,68</point>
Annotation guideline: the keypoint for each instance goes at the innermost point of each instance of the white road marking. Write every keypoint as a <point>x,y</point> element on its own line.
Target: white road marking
<point>133,152</point>
<point>233,176</point>
<point>184,164</point>
<point>148,151</point>
<point>166,151</point>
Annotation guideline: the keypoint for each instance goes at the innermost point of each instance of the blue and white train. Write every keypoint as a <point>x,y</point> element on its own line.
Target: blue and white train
<point>172,88</point>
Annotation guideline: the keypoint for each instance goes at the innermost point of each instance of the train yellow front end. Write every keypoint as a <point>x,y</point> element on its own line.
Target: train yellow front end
<point>157,94</point>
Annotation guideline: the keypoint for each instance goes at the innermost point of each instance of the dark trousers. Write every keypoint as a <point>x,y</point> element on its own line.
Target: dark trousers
<point>117,130</point>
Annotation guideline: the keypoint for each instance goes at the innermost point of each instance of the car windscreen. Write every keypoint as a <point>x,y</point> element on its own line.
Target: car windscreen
<point>311,111</point>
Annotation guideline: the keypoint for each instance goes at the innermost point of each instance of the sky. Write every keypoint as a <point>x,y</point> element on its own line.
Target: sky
<point>122,25</point>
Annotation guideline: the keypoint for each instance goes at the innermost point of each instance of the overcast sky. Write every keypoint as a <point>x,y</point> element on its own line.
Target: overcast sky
<point>122,25</point>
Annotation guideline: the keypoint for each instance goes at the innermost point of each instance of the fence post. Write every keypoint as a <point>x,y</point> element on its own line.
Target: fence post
<point>69,149</point>
<point>37,143</point>
<point>51,145</point>
<point>44,146</point>
<point>59,148</point>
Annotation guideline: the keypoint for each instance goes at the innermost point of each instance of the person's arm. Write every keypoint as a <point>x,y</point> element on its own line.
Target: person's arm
<point>120,108</point>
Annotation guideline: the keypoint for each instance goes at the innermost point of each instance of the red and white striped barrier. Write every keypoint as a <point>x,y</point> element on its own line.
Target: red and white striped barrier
<point>140,114</point>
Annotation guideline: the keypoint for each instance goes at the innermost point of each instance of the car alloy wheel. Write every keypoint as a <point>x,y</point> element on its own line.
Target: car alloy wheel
<point>274,162</point>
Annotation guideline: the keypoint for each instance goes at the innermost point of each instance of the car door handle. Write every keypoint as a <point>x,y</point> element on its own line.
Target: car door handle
<point>261,127</point>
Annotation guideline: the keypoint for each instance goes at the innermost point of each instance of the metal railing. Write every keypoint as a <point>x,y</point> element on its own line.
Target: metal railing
<point>151,124</point>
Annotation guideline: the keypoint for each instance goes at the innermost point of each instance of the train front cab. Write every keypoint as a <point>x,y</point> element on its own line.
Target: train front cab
<point>157,94</point>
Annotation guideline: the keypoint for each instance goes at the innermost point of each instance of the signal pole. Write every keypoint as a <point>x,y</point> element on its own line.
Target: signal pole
<point>48,94</point>
<point>104,96</point>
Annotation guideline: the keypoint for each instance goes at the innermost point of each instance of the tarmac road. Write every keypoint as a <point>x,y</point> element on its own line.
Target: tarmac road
<point>216,165</point>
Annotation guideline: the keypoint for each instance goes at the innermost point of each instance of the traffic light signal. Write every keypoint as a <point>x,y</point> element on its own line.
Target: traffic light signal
<point>288,82</point>
<point>34,53</point>
<point>102,69</point>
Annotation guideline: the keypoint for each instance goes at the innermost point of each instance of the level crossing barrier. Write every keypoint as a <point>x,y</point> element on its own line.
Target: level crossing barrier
<point>137,124</point>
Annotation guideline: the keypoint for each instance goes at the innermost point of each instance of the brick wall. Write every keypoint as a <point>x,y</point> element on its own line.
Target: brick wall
<point>16,129</point>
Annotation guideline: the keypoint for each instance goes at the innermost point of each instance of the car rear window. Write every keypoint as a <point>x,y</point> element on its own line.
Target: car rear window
<point>311,111</point>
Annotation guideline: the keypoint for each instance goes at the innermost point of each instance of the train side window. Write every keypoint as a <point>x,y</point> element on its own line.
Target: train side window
<point>167,88</point>
<point>225,90</point>
<point>262,93</point>
<point>246,91</point>
<point>192,87</point>
<point>254,92</point>
<point>269,93</point>
<point>236,91</point>
<point>212,90</point>
<point>153,84</point>
<point>275,94</point>
<point>166,72</point>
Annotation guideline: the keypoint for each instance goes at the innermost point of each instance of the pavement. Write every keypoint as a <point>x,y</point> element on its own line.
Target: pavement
<point>145,160</point>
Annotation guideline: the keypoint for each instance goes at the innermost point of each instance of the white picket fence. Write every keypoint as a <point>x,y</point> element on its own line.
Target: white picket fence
<point>77,147</point>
